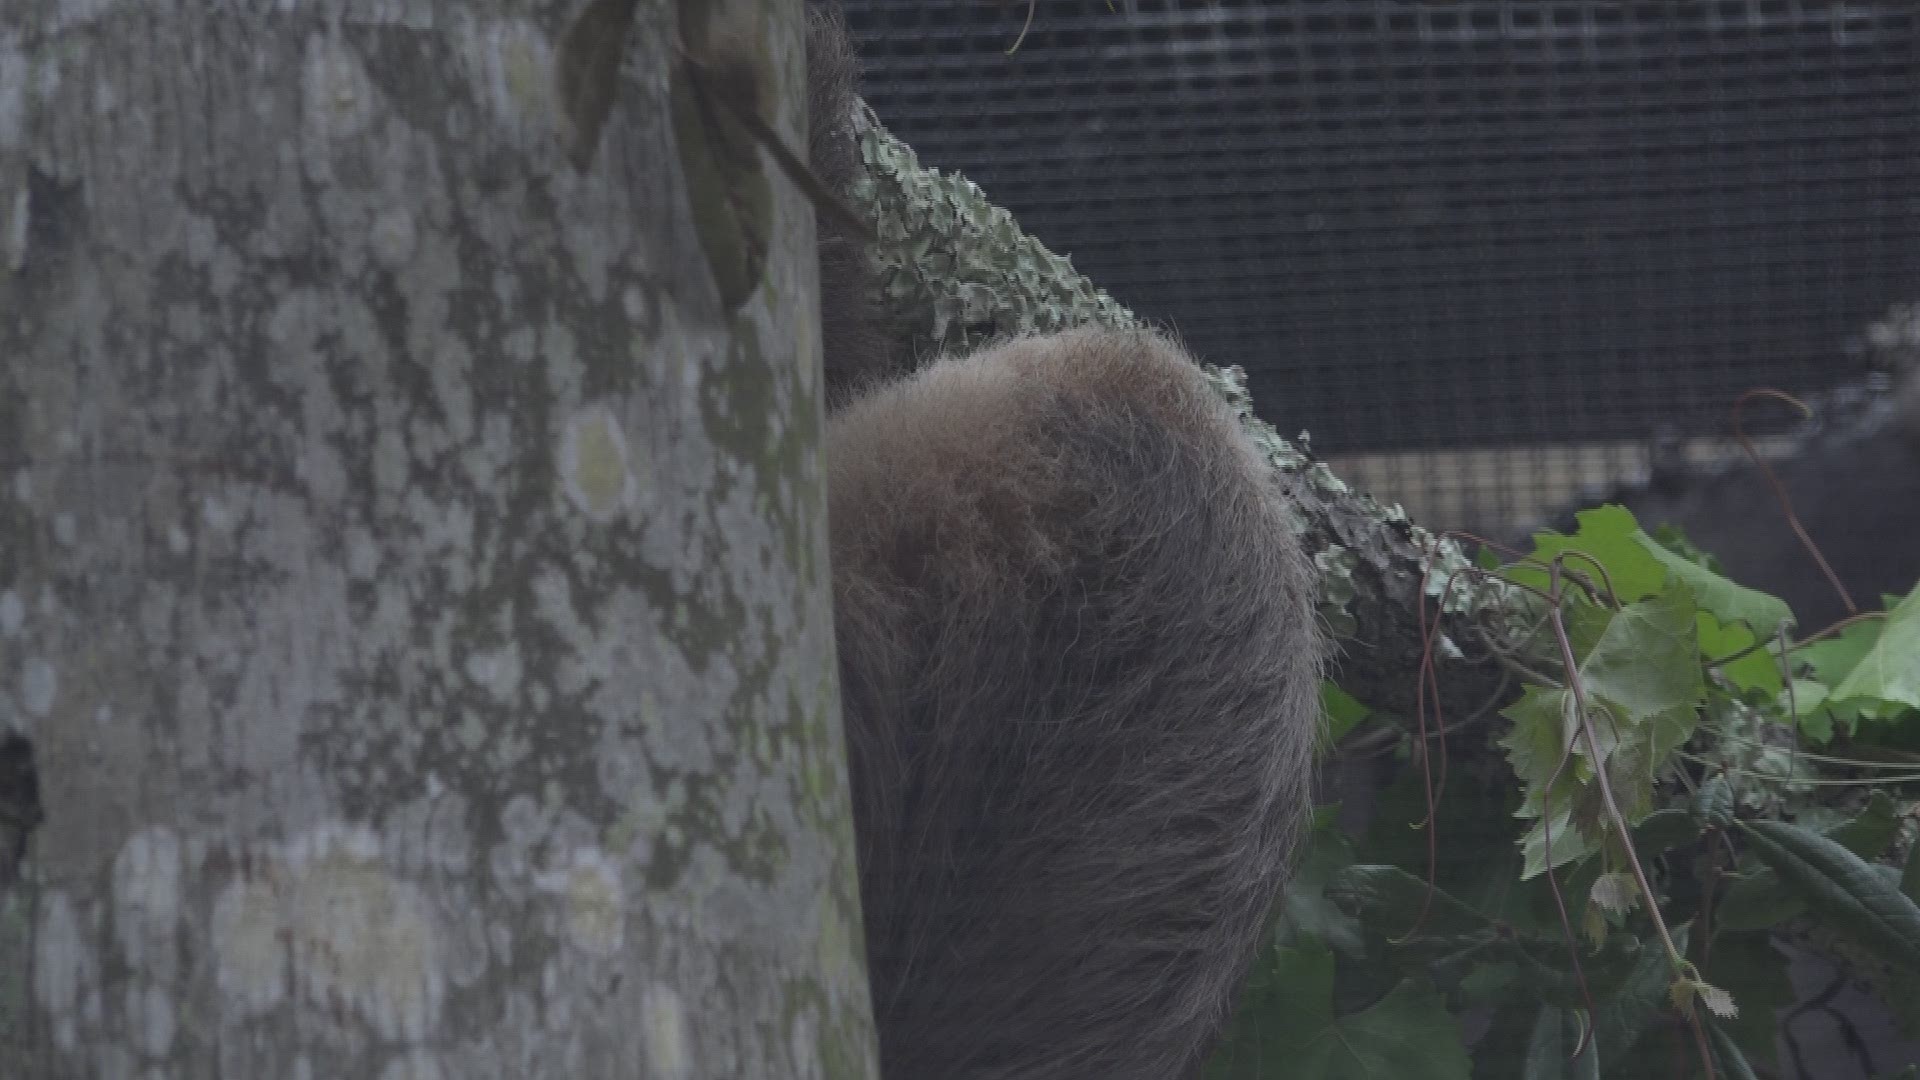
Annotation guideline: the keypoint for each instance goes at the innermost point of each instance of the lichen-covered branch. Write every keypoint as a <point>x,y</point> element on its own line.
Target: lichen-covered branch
<point>956,270</point>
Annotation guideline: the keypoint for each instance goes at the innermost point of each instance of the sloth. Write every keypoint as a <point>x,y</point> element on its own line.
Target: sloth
<point>1079,668</point>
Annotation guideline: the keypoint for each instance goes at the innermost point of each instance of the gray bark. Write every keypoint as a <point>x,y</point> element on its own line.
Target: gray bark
<point>958,270</point>
<point>413,580</point>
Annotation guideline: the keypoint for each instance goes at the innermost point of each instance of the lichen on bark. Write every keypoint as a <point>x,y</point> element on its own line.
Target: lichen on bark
<point>422,618</point>
<point>955,270</point>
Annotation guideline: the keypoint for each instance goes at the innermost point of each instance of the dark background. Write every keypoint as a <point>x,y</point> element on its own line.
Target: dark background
<point>1483,251</point>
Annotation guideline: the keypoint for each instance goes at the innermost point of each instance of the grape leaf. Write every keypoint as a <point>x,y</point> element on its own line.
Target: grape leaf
<point>1606,533</point>
<point>1569,845</point>
<point>1286,1022</point>
<point>1890,670</point>
<point>1810,707</point>
<point>1872,831</point>
<point>1306,908</point>
<point>1727,601</point>
<point>1647,661</point>
<point>1536,744</point>
<point>1833,658</point>
<point>1753,668</point>
<point>1643,679</point>
<point>1624,1015</point>
<point>1664,830</point>
<point>1343,712</point>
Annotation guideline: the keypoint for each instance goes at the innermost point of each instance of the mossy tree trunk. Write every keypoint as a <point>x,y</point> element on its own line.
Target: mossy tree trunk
<point>413,592</point>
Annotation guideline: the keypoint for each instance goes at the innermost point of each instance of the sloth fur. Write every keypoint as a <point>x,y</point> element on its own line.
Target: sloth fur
<point>1079,668</point>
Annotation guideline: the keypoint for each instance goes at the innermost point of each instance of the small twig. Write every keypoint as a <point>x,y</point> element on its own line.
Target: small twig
<point>1015,47</point>
<point>1614,814</point>
<point>1567,933</point>
<point>1604,783</point>
<point>1775,778</point>
<point>1850,763</point>
<point>1780,490</point>
<point>1510,663</point>
<point>1864,616</point>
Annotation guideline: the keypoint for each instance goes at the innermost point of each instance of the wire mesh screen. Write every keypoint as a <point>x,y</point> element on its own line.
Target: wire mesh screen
<point>1481,250</point>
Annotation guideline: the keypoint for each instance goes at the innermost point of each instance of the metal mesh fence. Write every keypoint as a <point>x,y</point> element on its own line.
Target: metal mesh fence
<point>1482,250</point>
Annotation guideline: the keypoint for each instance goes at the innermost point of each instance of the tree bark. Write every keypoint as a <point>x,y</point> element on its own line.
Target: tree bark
<point>413,578</point>
<point>957,270</point>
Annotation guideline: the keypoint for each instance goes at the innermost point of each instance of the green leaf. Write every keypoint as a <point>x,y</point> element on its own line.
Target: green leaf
<point>1484,981</point>
<point>1286,1020</point>
<point>1841,888</point>
<point>1585,623</point>
<point>1556,1032</point>
<point>1757,670</point>
<point>1728,602</point>
<point>1473,824</point>
<point>1675,540</point>
<point>1664,830</point>
<point>1643,682</point>
<point>1713,803</point>
<point>1390,899</point>
<point>1537,744</point>
<point>1306,909</point>
<point>1809,706</point>
<point>1890,671</point>
<point>1630,775</point>
<point>1871,832</point>
<point>1733,1062</point>
<point>1568,845</point>
<point>1501,1052</point>
<point>1624,1015</point>
<point>1607,534</point>
<point>1458,963</point>
<point>1648,659</point>
<point>1343,712</point>
<point>1757,901</point>
<point>1833,658</point>
<point>1547,974</point>
<point>1756,972</point>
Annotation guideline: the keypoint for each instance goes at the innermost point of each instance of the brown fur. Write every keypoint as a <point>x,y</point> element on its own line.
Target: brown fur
<point>1079,665</point>
<point>854,348</point>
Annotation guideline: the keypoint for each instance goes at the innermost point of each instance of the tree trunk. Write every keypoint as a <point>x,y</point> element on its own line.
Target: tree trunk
<point>413,578</point>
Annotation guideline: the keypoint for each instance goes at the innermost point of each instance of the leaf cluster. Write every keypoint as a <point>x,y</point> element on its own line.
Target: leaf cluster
<point>1674,781</point>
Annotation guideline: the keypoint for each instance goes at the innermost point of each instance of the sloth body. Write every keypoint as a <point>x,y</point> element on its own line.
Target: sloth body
<point>1079,669</point>
<point>1079,674</point>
